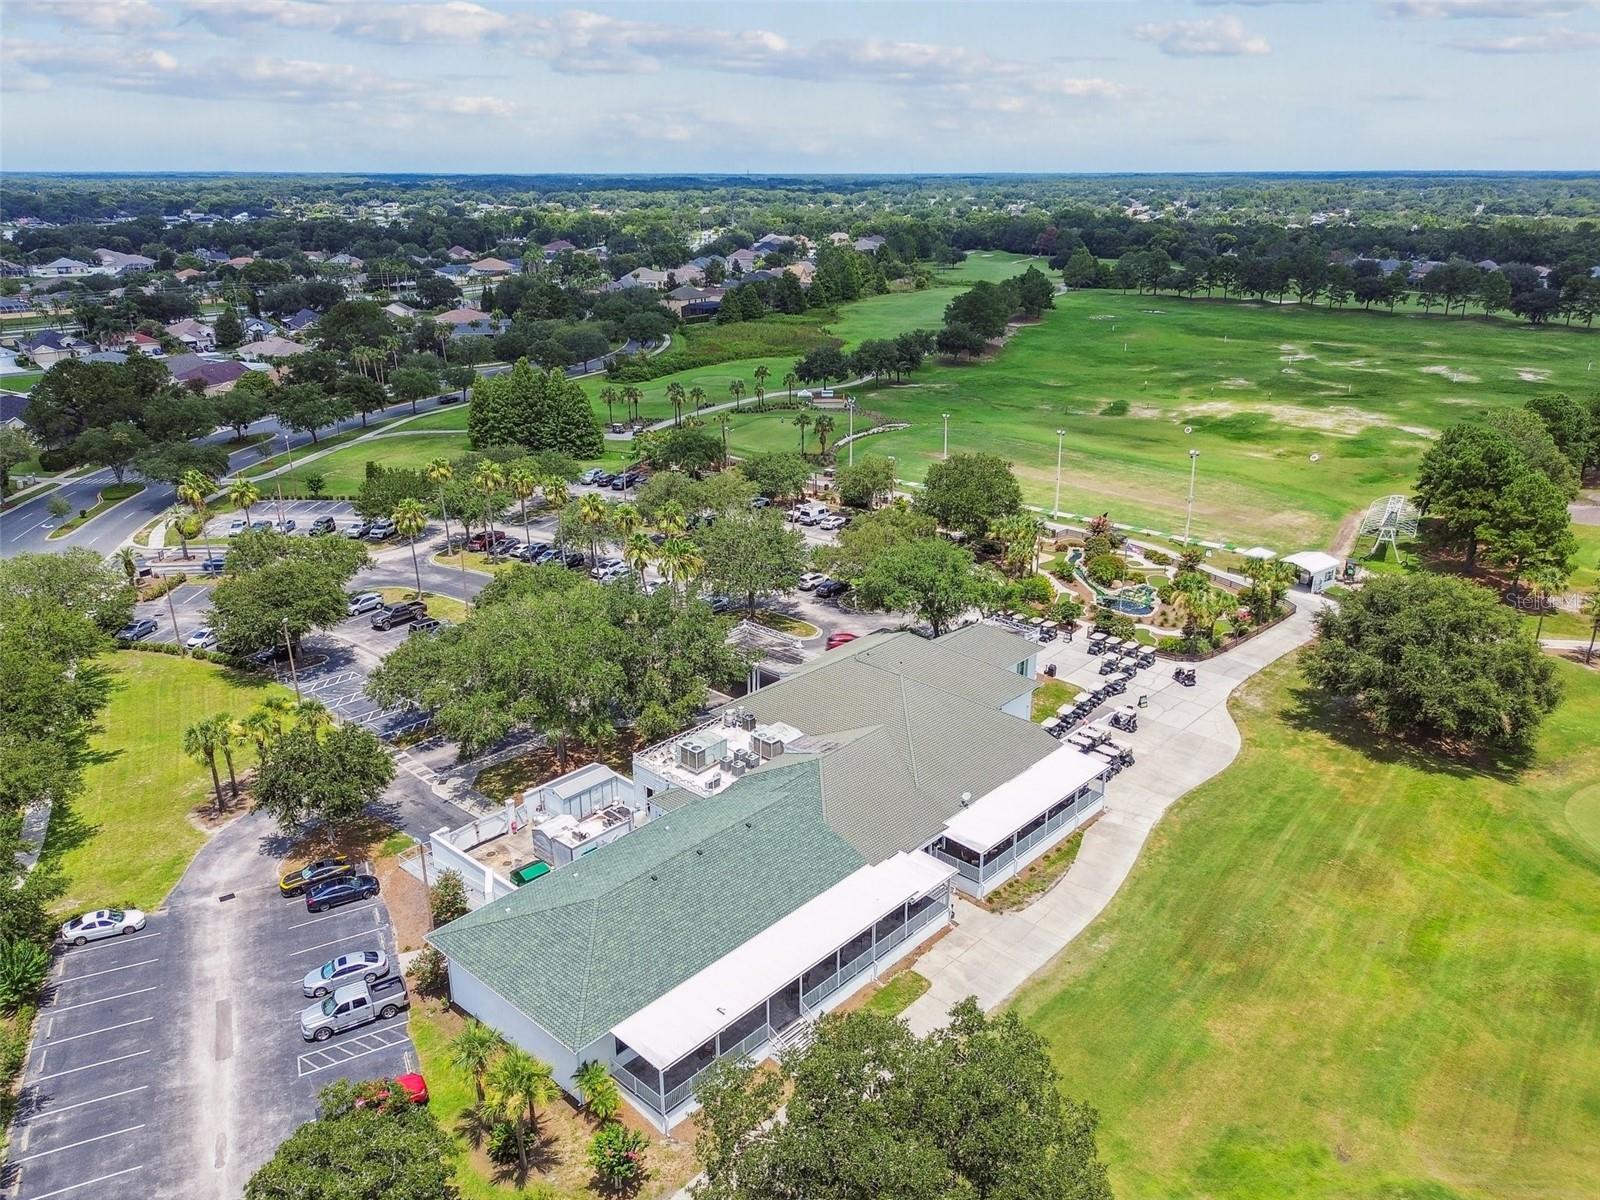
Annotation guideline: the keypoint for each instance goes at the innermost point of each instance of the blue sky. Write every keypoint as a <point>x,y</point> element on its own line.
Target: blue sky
<point>492,85</point>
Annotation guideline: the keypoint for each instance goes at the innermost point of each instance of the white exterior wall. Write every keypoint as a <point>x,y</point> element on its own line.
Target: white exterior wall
<point>1017,865</point>
<point>1021,707</point>
<point>494,1010</point>
<point>483,885</point>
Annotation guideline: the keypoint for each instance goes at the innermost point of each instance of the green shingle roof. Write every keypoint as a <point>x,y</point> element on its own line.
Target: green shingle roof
<point>587,945</point>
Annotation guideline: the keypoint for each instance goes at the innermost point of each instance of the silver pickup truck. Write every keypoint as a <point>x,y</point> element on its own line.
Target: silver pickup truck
<point>351,1005</point>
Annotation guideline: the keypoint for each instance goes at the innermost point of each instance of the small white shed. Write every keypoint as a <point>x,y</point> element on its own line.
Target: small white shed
<point>1313,569</point>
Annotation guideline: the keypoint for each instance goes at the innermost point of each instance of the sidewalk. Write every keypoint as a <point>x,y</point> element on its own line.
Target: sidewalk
<point>1185,737</point>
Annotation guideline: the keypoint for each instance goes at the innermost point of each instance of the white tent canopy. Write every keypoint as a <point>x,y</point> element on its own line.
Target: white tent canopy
<point>1313,562</point>
<point>1260,552</point>
<point>1000,813</point>
<point>692,1013</point>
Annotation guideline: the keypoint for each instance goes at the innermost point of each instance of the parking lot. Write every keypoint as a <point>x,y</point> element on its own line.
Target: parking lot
<point>169,1063</point>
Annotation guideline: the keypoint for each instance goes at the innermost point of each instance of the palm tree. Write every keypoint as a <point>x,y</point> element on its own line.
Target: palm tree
<point>592,1079</point>
<point>681,561</point>
<point>736,390</point>
<point>789,381</point>
<point>1019,535</point>
<point>633,397</point>
<point>518,1079</point>
<point>1591,609</point>
<point>313,715</point>
<point>410,519</point>
<point>523,481</point>
<point>438,473</point>
<point>129,562</point>
<point>229,735</point>
<point>192,488</point>
<point>697,397</point>
<point>675,397</point>
<point>201,741</point>
<point>609,395</point>
<point>803,422</point>
<point>724,423</point>
<point>625,520</point>
<point>187,525</point>
<point>244,494</point>
<point>671,519</point>
<point>762,373</point>
<point>637,551</point>
<point>1548,581</point>
<point>593,511</point>
<point>473,1050</point>
<point>488,477</point>
<point>823,426</point>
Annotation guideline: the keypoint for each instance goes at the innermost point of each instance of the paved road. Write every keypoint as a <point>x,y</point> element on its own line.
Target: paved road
<point>26,528</point>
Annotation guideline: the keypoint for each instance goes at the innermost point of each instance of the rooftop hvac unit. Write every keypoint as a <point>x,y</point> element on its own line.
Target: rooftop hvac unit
<point>700,751</point>
<point>726,762</point>
<point>738,767</point>
<point>766,743</point>
<point>747,720</point>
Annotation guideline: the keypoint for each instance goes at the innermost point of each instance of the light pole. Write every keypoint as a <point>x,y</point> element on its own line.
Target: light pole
<point>288,645</point>
<point>945,417</point>
<point>850,407</point>
<point>1056,511</point>
<point>277,479</point>
<point>1194,457</point>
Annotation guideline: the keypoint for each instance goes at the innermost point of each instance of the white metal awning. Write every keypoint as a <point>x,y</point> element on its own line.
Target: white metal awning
<point>667,1028</point>
<point>1313,562</point>
<point>997,815</point>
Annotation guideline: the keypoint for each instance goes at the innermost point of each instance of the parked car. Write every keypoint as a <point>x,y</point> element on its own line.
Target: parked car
<point>572,559</point>
<point>344,890</point>
<point>324,869</point>
<point>833,522</point>
<point>382,528</point>
<point>136,630</point>
<point>364,602</point>
<point>760,502</point>
<point>620,571</point>
<point>321,526</point>
<point>604,565</point>
<point>102,923</point>
<point>830,588</point>
<point>359,530</point>
<point>273,654</point>
<point>260,526</point>
<point>352,1005</point>
<point>214,565</point>
<point>286,525</point>
<point>810,580</point>
<point>399,614</point>
<point>627,480</point>
<point>504,547</point>
<point>368,965</point>
<point>592,475</point>
<point>835,640</point>
<point>237,525</point>
<point>533,551</point>
<point>426,625</point>
<point>483,539</point>
<point>204,638</point>
<point>604,479</point>
<point>412,1086</point>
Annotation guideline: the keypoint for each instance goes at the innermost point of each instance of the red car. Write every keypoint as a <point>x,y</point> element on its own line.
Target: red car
<point>413,1085</point>
<point>483,540</point>
<point>835,640</point>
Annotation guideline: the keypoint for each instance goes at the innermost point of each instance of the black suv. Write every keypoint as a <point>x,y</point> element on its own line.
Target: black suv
<point>321,526</point>
<point>399,614</point>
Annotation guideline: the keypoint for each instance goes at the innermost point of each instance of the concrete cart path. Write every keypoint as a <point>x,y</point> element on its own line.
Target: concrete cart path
<point>1185,737</point>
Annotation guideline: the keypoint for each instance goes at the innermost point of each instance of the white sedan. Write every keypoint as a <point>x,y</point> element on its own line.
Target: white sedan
<point>810,580</point>
<point>370,965</point>
<point>204,638</point>
<point>830,523</point>
<point>364,603</point>
<point>102,923</point>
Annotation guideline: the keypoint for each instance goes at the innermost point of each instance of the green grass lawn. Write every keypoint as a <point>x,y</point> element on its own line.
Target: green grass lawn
<point>1341,971</point>
<point>130,837</point>
<point>344,470</point>
<point>20,381</point>
<point>1263,388</point>
<point>1051,695</point>
<point>895,996</point>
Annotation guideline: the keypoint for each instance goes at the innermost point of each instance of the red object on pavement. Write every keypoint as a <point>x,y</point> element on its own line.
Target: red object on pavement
<point>835,640</point>
<point>414,1086</point>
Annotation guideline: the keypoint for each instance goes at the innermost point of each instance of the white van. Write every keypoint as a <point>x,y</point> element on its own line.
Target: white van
<point>809,513</point>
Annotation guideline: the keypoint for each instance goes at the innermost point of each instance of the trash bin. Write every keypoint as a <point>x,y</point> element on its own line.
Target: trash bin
<point>1144,700</point>
<point>1049,670</point>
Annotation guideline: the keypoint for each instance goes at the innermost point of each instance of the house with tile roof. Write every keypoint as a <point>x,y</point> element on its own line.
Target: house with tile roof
<point>783,854</point>
<point>50,346</point>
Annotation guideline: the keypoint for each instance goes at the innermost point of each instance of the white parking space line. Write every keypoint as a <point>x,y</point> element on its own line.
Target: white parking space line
<point>119,941</point>
<point>104,1062</point>
<point>56,1112</point>
<point>100,1137</point>
<point>337,1056</point>
<point>53,1011</point>
<point>331,916</point>
<point>109,970</point>
<point>106,1029</point>
<point>86,1183</point>
<point>324,945</point>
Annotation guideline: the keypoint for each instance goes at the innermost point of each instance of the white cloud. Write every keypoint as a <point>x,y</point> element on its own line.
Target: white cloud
<point>1549,41</point>
<point>93,16</point>
<point>370,20</point>
<point>1210,37</point>
<point>1452,10</point>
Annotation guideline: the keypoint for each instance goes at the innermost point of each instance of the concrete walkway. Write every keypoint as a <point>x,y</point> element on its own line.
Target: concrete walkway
<point>1185,737</point>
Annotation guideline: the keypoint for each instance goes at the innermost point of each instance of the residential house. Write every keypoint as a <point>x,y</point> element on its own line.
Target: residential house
<point>804,270</point>
<point>458,254</point>
<point>113,262</point>
<point>462,316</point>
<point>348,262</point>
<point>558,247</point>
<point>49,346</point>
<point>689,301</point>
<point>11,270</point>
<point>257,327</point>
<point>194,334</point>
<point>139,343</point>
<point>778,858</point>
<point>303,319</point>
<point>62,267</point>
<point>399,310</point>
<point>188,275</point>
<point>1487,264</point>
<point>768,243</point>
<point>14,304</point>
<point>490,267</point>
<point>741,262</point>
<point>214,257</point>
<point>870,244</point>
<point>12,406</point>
<point>272,346</point>
<point>114,357</point>
<point>241,261</point>
<point>215,378</point>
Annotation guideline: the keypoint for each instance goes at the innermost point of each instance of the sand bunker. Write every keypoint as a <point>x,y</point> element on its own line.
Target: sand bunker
<point>1238,381</point>
<point>1343,420</point>
<point>1532,374</point>
<point>1450,373</point>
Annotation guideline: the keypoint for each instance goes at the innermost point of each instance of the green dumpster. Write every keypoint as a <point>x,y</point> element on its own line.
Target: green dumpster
<point>529,872</point>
